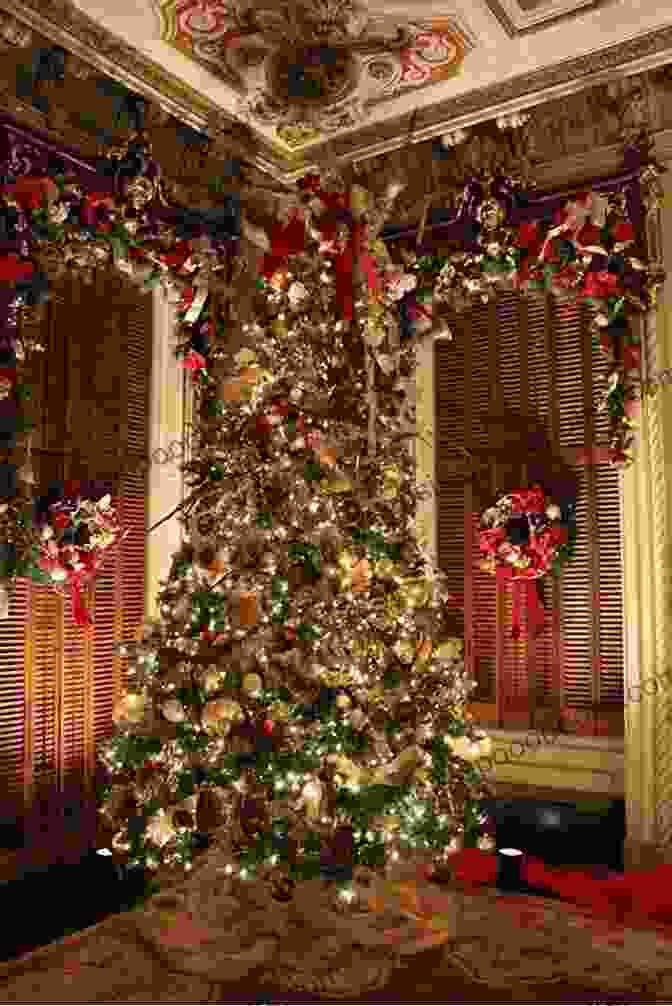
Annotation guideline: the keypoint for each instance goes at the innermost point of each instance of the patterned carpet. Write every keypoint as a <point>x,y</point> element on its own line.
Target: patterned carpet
<point>212,940</point>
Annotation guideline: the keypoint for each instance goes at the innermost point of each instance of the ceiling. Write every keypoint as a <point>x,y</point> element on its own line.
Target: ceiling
<point>462,62</point>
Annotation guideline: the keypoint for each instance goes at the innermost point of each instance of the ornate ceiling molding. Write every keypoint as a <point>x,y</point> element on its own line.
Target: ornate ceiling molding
<point>521,18</point>
<point>518,94</point>
<point>64,24</point>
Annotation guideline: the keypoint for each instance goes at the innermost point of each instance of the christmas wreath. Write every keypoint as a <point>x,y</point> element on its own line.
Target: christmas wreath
<point>58,539</point>
<point>74,540</point>
<point>523,537</point>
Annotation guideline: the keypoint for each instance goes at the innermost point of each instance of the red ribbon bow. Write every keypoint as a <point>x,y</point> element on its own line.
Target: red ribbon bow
<point>523,588</point>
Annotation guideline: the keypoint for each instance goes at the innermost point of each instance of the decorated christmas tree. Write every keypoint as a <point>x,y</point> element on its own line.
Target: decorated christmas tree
<point>301,700</point>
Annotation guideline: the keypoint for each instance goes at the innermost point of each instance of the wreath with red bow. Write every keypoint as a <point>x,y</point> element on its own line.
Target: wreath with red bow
<point>523,537</point>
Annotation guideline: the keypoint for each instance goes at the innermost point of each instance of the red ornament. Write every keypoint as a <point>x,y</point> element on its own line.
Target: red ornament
<point>290,633</point>
<point>269,726</point>
<point>208,636</point>
<point>263,424</point>
<point>61,521</point>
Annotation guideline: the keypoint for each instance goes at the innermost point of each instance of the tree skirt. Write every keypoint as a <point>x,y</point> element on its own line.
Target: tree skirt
<point>188,944</point>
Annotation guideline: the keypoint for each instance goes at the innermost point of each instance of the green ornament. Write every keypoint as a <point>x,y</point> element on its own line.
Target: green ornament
<point>279,587</point>
<point>264,519</point>
<point>216,472</point>
<point>312,472</point>
<point>308,633</point>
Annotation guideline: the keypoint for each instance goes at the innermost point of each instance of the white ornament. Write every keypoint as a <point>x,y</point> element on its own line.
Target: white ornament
<point>311,798</point>
<point>553,511</point>
<point>358,718</point>
<point>160,828</point>
<point>173,711</point>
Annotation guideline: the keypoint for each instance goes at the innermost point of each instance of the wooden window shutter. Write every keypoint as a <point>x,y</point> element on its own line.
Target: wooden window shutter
<point>91,402</point>
<point>531,358</point>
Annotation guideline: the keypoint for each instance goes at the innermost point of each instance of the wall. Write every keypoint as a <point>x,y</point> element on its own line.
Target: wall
<point>169,411</point>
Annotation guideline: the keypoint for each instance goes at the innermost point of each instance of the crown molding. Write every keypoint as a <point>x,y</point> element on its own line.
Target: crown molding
<point>521,93</point>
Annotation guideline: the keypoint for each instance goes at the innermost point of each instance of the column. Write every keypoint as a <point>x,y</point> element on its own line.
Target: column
<point>647,557</point>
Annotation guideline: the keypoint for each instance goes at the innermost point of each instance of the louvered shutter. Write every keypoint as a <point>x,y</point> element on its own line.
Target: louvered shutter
<point>91,400</point>
<point>531,356</point>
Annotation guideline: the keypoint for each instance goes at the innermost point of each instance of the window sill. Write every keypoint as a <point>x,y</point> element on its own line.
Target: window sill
<point>568,741</point>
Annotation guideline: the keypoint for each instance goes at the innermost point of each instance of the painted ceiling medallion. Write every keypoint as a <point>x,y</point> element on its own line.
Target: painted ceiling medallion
<point>303,69</point>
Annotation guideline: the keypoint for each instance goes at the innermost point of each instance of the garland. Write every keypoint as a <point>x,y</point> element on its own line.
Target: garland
<point>523,537</point>
<point>586,248</point>
<point>53,225</point>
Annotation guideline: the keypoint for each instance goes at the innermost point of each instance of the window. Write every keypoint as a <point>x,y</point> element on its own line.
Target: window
<point>518,389</point>
<point>58,681</point>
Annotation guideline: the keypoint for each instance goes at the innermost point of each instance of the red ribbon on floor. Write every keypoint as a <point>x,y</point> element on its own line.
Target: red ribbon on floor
<point>523,589</point>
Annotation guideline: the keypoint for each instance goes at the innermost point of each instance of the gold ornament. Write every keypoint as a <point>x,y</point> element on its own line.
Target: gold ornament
<point>218,715</point>
<point>395,606</point>
<point>359,200</point>
<point>245,358</point>
<point>252,683</point>
<point>469,750</point>
<point>391,481</point>
<point>343,701</point>
<point>391,823</point>
<point>376,696</point>
<point>346,769</point>
<point>416,592</point>
<point>130,707</point>
<point>385,569</point>
<point>279,328</point>
<point>405,650</point>
<point>451,649</point>
<point>212,680</point>
<point>335,679</point>
<point>279,711</point>
<point>335,485</point>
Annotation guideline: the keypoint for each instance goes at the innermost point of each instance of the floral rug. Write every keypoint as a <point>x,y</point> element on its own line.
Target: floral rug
<point>199,941</point>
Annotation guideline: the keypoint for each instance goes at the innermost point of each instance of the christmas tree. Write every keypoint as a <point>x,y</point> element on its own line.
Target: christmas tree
<point>301,699</point>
